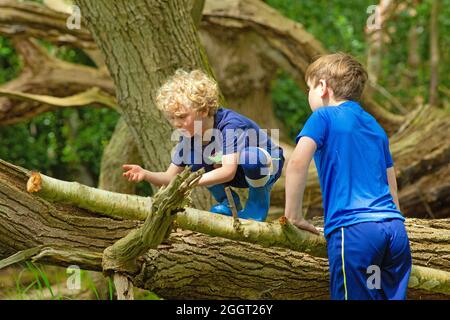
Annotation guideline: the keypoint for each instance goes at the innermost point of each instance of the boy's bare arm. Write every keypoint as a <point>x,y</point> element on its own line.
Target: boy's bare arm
<point>296,174</point>
<point>392,180</point>
<point>162,178</point>
<point>223,174</point>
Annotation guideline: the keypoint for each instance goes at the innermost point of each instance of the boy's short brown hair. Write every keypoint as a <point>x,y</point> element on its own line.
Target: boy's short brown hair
<point>343,74</point>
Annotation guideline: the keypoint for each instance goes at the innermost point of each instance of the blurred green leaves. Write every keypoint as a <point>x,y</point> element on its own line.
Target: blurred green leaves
<point>290,104</point>
<point>340,25</point>
<point>56,142</point>
<point>9,62</point>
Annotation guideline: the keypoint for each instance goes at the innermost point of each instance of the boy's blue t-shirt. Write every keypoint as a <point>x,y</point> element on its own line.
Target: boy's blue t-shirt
<point>351,158</point>
<point>234,133</point>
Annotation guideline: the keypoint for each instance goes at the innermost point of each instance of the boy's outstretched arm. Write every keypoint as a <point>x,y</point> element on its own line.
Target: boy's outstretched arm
<point>137,174</point>
<point>392,180</point>
<point>296,174</point>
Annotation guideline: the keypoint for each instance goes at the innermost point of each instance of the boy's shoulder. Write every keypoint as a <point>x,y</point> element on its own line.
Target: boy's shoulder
<point>349,110</point>
<point>230,119</point>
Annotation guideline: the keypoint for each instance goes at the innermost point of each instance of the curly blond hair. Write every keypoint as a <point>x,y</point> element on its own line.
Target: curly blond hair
<point>193,90</point>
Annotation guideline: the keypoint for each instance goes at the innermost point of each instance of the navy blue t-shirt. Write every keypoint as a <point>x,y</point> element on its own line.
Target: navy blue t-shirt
<point>233,132</point>
<point>351,158</point>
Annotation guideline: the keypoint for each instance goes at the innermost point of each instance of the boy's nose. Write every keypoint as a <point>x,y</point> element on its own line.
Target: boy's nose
<point>177,124</point>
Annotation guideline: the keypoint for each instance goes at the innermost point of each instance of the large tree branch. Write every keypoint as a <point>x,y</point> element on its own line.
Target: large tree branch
<point>37,21</point>
<point>278,233</point>
<point>92,96</point>
<point>46,75</point>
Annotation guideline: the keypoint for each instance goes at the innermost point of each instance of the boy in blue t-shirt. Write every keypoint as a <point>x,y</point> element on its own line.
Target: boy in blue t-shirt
<point>232,148</point>
<point>368,248</point>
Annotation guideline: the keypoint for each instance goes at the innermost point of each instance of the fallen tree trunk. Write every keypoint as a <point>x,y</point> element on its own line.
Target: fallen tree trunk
<point>277,233</point>
<point>188,265</point>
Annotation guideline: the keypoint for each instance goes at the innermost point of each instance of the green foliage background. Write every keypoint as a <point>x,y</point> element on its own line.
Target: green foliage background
<point>47,143</point>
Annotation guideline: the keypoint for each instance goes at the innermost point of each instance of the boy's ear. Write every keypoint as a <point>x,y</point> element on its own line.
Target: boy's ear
<point>324,90</point>
<point>204,113</point>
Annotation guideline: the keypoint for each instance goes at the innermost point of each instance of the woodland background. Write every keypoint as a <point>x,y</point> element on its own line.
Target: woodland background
<point>407,60</point>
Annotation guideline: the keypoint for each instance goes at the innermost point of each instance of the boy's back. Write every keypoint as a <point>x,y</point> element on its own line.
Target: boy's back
<point>351,158</point>
<point>364,228</point>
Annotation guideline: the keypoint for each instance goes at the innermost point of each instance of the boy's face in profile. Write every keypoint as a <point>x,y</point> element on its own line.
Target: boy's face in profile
<point>184,120</point>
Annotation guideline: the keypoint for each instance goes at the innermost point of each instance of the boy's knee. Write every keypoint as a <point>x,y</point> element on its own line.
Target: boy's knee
<point>255,162</point>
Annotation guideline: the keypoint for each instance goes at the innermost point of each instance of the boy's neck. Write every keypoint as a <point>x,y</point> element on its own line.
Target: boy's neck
<point>208,123</point>
<point>333,102</point>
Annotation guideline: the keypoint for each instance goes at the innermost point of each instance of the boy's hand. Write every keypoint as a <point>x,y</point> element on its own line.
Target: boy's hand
<point>135,173</point>
<point>304,225</point>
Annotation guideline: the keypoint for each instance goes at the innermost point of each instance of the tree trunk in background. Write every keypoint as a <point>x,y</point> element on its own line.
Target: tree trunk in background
<point>140,57</point>
<point>121,149</point>
<point>434,53</point>
<point>376,31</point>
<point>411,72</point>
<point>188,265</point>
<point>243,76</point>
<point>80,169</point>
